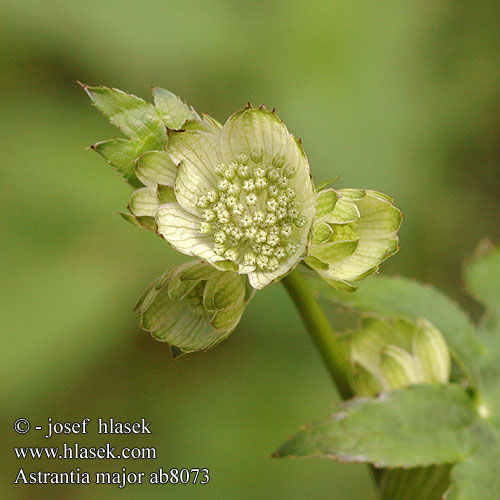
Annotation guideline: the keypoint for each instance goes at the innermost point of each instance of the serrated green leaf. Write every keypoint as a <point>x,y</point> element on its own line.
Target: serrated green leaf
<point>415,426</point>
<point>406,298</point>
<point>137,119</point>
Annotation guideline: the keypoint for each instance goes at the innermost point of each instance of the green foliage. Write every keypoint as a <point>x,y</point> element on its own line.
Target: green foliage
<point>419,425</point>
<point>431,424</point>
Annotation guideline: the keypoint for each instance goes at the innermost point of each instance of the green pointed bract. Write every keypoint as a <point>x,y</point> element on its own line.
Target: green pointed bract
<point>173,111</point>
<point>145,126</point>
<point>121,154</point>
<point>354,231</point>
<point>193,306</point>
<point>244,196</point>
<point>137,119</point>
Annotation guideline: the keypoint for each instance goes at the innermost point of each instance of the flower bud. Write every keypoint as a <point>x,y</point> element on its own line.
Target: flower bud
<point>396,353</point>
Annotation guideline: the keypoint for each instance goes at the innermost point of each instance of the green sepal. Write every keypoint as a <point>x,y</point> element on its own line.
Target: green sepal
<point>143,202</point>
<point>325,202</point>
<point>334,251</point>
<point>398,367</point>
<point>315,263</point>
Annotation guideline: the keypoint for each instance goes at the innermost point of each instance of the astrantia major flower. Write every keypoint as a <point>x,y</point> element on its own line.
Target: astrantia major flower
<point>239,198</point>
<point>245,197</point>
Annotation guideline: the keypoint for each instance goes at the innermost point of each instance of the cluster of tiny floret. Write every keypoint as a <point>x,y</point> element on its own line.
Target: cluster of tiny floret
<point>253,211</point>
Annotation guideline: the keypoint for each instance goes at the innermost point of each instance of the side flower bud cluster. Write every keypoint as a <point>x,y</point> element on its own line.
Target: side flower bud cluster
<point>388,354</point>
<point>354,231</point>
<point>193,306</point>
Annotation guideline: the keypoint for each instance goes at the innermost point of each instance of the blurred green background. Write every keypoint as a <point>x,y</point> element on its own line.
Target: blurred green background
<point>401,97</point>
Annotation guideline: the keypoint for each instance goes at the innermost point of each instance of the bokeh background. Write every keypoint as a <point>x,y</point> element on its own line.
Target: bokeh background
<point>401,97</point>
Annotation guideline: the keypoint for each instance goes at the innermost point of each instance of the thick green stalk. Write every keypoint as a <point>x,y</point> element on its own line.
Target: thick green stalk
<point>320,330</point>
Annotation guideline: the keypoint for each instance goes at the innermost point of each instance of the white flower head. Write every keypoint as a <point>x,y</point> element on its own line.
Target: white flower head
<point>252,184</point>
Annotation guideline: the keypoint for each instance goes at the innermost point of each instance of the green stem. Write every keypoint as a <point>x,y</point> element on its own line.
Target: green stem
<point>320,330</point>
